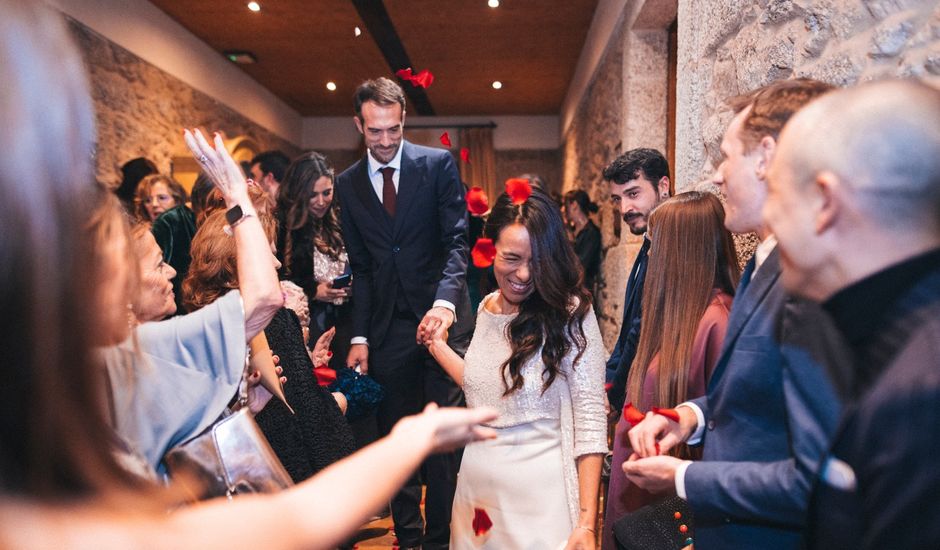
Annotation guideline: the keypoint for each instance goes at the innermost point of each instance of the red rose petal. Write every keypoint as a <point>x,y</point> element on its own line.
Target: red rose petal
<point>671,414</point>
<point>481,522</point>
<point>483,253</point>
<point>404,74</point>
<point>422,79</point>
<point>658,452</point>
<point>518,189</point>
<point>445,139</point>
<point>477,203</point>
<point>465,155</point>
<point>632,415</point>
<point>608,386</point>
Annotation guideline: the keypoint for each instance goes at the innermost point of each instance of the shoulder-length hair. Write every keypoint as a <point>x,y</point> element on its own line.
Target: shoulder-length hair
<point>299,231</point>
<point>213,270</point>
<point>552,317</point>
<point>142,196</point>
<point>691,255</point>
<point>54,434</point>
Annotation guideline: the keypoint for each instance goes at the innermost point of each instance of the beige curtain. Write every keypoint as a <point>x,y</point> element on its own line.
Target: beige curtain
<point>481,170</point>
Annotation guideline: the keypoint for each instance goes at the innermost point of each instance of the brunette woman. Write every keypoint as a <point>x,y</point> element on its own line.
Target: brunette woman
<point>687,296</point>
<point>537,357</point>
<point>156,194</point>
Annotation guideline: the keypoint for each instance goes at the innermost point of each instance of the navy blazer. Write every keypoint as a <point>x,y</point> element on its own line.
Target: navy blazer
<point>769,411</point>
<point>421,251</point>
<point>618,364</point>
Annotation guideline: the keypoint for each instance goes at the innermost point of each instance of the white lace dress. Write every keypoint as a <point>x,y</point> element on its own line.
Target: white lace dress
<point>526,480</point>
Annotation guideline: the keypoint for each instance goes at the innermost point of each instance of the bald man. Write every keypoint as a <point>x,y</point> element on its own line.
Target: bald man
<point>854,200</point>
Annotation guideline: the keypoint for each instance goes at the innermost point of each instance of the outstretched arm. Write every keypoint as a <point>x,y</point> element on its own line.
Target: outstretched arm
<point>446,357</point>
<point>257,279</point>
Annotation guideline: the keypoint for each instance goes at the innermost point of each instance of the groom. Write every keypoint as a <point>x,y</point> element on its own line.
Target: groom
<point>404,221</point>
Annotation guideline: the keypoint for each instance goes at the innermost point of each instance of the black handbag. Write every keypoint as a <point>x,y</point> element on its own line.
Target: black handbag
<point>665,525</point>
<point>363,394</point>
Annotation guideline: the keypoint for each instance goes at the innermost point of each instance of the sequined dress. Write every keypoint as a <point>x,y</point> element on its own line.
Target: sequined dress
<point>526,480</point>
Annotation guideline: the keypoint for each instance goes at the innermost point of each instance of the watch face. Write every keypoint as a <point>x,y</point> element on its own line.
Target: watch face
<point>233,214</point>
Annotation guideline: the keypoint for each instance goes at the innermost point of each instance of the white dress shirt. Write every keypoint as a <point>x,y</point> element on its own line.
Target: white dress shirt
<point>378,184</point>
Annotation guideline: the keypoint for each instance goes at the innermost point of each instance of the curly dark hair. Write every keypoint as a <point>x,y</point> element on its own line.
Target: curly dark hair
<point>552,317</point>
<point>649,163</point>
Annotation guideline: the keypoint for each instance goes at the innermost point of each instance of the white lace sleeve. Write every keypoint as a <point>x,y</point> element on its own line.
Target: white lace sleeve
<point>586,384</point>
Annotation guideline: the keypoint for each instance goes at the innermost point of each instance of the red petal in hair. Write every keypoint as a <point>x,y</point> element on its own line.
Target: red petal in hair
<point>477,202</point>
<point>518,189</point>
<point>671,414</point>
<point>632,415</point>
<point>465,155</point>
<point>481,522</point>
<point>445,140</point>
<point>483,253</point>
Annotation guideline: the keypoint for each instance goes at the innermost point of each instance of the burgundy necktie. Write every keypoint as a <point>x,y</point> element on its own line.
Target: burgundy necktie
<point>388,190</point>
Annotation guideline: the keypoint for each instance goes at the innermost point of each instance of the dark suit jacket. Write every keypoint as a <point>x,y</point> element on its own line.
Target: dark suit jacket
<point>769,413</point>
<point>618,364</point>
<point>422,252</point>
<point>888,439</point>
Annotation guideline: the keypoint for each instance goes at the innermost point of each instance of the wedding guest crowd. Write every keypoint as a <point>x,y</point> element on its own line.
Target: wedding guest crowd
<point>790,405</point>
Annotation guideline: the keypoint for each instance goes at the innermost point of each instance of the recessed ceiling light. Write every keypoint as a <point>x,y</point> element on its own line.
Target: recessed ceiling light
<point>497,84</point>
<point>254,6</point>
<point>357,31</point>
<point>493,3</point>
<point>331,86</point>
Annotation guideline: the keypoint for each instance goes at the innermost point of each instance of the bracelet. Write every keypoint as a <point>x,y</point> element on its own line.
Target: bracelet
<point>593,532</point>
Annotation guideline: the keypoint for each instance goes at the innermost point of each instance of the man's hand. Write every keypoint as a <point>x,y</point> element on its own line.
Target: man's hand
<point>435,323</point>
<point>656,474</point>
<point>358,357</point>
<point>656,434</point>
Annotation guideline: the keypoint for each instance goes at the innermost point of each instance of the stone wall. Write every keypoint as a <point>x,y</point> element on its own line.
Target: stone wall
<point>728,47</point>
<point>623,108</point>
<point>141,110</point>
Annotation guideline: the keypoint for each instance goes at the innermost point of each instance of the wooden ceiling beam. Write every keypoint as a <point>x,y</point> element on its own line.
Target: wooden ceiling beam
<point>377,21</point>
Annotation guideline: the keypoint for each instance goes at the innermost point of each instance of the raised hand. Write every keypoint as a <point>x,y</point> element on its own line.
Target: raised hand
<point>218,165</point>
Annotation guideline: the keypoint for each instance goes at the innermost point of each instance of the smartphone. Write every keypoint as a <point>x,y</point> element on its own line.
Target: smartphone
<point>342,281</point>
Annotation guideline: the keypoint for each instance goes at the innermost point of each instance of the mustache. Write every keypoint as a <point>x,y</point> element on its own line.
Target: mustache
<point>632,216</point>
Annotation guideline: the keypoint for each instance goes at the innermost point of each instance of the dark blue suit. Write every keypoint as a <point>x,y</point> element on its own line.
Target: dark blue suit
<point>401,264</point>
<point>769,413</point>
<point>618,364</point>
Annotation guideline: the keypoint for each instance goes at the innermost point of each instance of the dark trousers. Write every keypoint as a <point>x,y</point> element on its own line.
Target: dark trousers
<point>411,378</point>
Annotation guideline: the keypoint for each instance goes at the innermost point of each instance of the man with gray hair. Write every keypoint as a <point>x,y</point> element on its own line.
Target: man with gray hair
<point>854,200</point>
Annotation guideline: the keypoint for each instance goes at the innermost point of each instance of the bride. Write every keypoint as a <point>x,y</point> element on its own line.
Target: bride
<point>538,358</point>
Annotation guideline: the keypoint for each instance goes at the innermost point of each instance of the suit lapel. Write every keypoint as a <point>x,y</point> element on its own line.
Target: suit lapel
<point>362,186</point>
<point>413,172</point>
<point>745,305</point>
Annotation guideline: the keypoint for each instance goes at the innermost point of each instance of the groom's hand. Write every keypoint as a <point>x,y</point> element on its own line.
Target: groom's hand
<point>435,324</point>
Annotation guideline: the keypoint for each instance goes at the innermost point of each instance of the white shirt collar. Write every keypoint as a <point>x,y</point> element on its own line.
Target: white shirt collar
<point>763,250</point>
<point>375,165</point>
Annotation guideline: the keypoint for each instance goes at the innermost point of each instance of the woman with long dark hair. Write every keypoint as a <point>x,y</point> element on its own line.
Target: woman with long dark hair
<point>690,281</point>
<point>310,246</point>
<point>536,356</point>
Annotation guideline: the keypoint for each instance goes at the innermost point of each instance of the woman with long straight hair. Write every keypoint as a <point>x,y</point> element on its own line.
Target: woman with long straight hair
<point>690,281</point>
<point>536,356</point>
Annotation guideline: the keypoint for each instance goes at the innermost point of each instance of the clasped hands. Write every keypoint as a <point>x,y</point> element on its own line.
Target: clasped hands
<point>434,326</point>
<point>647,467</point>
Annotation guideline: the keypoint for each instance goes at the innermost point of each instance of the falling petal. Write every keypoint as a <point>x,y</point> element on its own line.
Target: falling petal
<point>422,79</point>
<point>465,155</point>
<point>483,253</point>
<point>477,202</point>
<point>445,140</point>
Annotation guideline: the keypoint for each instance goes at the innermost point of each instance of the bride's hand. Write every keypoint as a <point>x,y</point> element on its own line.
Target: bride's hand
<point>581,539</point>
<point>218,165</point>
